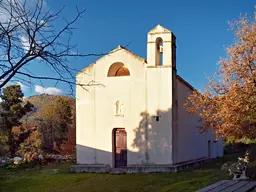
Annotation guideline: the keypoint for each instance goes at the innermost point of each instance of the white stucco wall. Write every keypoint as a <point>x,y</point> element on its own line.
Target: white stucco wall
<point>96,119</point>
<point>84,116</point>
<point>142,94</point>
<point>190,144</point>
<point>159,99</point>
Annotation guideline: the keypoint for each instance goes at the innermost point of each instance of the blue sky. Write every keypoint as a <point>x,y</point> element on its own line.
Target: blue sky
<point>200,27</point>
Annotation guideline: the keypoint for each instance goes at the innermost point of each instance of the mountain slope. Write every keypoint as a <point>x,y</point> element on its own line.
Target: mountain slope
<point>39,101</point>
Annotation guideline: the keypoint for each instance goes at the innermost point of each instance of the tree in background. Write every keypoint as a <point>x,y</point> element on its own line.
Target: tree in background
<point>12,109</point>
<point>68,148</point>
<point>228,105</point>
<point>30,146</point>
<point>55,120</point>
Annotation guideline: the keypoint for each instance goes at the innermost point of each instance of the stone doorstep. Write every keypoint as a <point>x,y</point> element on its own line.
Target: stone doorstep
<point>117,171</point>
<point>104,168</point>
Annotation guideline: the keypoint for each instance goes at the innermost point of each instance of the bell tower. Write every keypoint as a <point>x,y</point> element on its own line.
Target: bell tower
<point>161,85</point>
<point>161,47</point>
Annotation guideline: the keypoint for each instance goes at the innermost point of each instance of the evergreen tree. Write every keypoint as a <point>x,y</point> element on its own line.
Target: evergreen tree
<point>12,109</point>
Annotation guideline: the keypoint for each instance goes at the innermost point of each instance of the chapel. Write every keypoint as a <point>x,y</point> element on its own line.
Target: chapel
<point>132,114</point>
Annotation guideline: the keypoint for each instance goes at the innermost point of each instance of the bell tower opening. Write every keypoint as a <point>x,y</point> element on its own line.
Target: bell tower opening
<point>159,51</point>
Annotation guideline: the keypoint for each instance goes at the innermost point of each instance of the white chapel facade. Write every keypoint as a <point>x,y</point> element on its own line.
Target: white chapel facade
<point>134,113</point>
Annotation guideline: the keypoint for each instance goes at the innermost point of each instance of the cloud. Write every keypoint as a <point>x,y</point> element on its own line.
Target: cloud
<point>23,87</point>
<point>25,43</point>
<point>47,90</point>
<point>30,6</point>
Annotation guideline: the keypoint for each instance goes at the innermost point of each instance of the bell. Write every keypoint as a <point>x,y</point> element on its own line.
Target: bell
<point>161,49</point>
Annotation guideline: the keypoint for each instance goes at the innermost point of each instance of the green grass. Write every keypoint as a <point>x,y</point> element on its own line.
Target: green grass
<point>47,179</point>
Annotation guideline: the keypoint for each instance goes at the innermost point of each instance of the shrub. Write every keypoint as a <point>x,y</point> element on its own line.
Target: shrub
<point>3,146</point>
<point>30,149</point>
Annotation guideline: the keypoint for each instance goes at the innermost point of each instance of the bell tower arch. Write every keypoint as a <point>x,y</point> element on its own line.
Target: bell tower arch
<point>161,47</point>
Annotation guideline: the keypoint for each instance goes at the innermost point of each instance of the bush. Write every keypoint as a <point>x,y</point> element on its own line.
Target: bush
<point>252,152</point>
<point>3,146</point>
<point>235,147</point>
<point>30,149</point>
<point>21,166</point>
<point>251,170</point>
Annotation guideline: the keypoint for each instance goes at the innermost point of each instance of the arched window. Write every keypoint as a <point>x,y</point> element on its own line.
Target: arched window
<point>159,51</point>
<point>118,69</point>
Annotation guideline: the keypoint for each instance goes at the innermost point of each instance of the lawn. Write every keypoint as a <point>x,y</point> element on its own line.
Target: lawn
<point>58,178</point>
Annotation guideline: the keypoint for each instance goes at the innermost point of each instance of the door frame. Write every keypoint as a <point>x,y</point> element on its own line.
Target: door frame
<point>209,150</point>
<point>114,145</point>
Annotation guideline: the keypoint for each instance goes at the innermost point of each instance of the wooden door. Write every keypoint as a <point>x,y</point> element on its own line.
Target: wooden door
<point>120,148</point>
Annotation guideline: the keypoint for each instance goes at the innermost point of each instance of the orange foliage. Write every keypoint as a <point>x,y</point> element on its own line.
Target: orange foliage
<point>228,104</point>
<point>69,147</point>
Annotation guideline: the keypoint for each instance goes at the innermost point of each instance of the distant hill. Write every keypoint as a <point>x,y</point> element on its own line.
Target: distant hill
<point>39,101</point>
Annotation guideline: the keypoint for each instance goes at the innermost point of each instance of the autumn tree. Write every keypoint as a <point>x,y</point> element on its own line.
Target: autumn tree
<point>54,122</point>
<point>228,104</point>
<point>28,36</point>
<point>12,109</point>
<point>68,148</point>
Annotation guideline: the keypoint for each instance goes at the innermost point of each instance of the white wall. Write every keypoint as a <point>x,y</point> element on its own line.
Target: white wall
<point>84,116</point>
<point>142,95</point>
<point>159,98</point>
<point>96,120</point>
<point>190,144</point>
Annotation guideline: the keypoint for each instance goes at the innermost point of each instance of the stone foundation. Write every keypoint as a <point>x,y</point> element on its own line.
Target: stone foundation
<point>101,168</point>
<point>92,168</point>
<point>165,168</point>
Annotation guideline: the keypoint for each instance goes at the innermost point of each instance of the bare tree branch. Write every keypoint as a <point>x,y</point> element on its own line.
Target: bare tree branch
<point>28,36</point>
